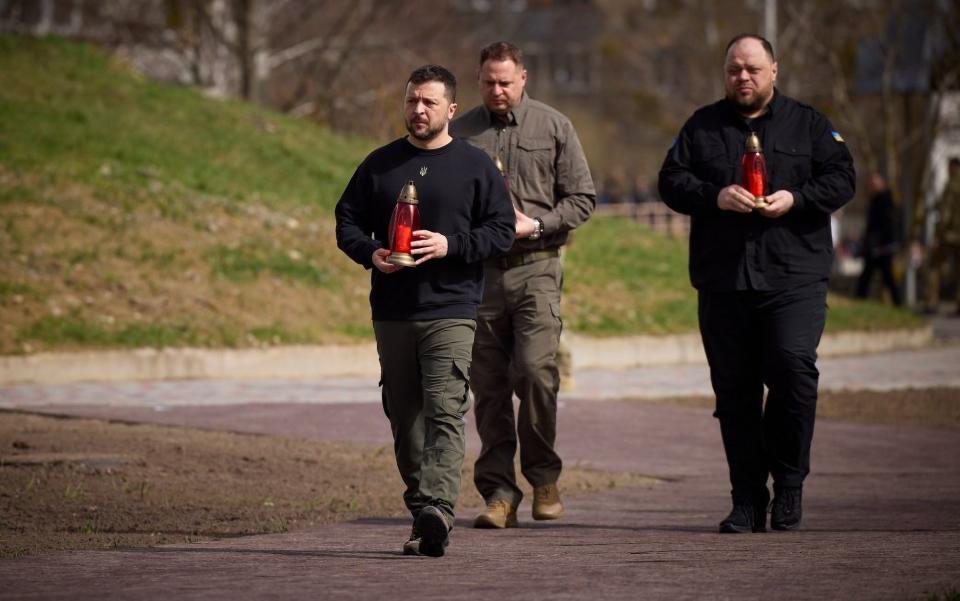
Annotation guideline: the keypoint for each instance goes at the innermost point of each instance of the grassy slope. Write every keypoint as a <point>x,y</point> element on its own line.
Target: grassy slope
<point>139,214</point>
<point>134,213</point>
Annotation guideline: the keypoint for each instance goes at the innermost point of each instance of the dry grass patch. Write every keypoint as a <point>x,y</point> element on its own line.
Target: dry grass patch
<point>91,484</point>
<point>173,268</point>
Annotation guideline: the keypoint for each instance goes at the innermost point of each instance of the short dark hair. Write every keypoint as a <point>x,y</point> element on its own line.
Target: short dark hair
<point>429,73</point>
<point>767,46</point>
<point>501,51</point>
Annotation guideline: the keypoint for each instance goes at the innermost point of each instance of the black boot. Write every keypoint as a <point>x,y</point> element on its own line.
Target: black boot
<point>432,526</point>
<point>747,516</point>
<point>787,509</point>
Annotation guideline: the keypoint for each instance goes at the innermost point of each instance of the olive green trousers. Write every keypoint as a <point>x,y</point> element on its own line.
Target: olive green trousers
<point>518,331</point>
<point>425,367</point>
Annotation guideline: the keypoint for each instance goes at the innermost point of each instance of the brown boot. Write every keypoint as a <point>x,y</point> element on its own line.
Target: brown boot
<point>546,502</point>
<point>499,514</point>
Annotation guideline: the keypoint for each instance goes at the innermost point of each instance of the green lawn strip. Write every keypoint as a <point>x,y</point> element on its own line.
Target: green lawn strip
<point>622,278</point>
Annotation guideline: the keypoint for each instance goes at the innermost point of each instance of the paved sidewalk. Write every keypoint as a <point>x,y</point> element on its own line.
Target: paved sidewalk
<point>881,507</point>
<point>882,521</point>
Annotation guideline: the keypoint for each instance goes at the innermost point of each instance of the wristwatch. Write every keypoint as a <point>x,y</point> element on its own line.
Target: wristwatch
<point>537,229</point>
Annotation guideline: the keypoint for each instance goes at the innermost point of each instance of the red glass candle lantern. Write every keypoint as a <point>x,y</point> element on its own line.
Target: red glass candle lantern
<point>404,221</point>
<point>754,170</point>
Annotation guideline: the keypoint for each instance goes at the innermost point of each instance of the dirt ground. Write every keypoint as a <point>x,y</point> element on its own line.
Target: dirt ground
<point>89,484</point>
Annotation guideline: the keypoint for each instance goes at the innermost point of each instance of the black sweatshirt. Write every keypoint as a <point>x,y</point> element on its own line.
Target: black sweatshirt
<point>462,196</point>
<point>738,251</point>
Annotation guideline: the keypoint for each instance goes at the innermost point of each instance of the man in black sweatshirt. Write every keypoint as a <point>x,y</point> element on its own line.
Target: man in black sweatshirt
<point>424,317</point>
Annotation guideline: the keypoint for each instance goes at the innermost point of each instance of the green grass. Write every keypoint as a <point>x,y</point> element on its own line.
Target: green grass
<point>9,289</point>
<point>622,278</point>
<point>75,331</point>
<point>359,331</point>
<point>134,213</point>
<point>277,333</point>
<point>250,261</point>
<point>71,108</point>
<point>865,315</point>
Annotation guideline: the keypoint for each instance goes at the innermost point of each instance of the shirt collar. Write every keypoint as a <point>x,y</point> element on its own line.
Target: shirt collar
<point>775,102</point>
<point>514,116</point>
<point>772,107</point>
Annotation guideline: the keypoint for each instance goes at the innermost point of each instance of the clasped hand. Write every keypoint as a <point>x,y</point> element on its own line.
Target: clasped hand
<point>738,199</point>
<point>426,245</point>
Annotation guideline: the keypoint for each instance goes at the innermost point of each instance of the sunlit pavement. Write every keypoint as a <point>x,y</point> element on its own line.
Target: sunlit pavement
<point>881,506</point>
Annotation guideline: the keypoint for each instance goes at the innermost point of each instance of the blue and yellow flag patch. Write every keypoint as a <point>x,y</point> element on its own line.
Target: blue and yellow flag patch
<point>836,136</point>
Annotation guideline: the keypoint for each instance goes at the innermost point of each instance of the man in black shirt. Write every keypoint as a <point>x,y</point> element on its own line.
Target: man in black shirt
<point>880,239</point>
<point>424,317</point>
<point>760,273</point>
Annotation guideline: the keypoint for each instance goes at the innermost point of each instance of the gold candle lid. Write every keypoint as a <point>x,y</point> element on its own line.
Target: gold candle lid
<point>408,194</point>
<point>753,143</point>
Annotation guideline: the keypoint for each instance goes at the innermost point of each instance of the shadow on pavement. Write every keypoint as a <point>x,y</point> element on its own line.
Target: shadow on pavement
<point>285,552</point>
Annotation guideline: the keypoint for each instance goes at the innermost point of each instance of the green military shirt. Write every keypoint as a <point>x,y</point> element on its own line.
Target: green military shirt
<point>544,164</point>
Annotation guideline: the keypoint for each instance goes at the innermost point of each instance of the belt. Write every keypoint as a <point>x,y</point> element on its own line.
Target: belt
<point>511,261</point>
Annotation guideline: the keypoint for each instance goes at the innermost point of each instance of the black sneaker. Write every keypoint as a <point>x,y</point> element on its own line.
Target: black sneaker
<point>434,532</point>
<point>787,511</point>
<point>745,517</point>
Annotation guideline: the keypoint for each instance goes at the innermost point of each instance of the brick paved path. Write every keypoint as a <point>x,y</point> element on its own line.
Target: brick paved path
<point>882,521</point>
<point>881,507</point>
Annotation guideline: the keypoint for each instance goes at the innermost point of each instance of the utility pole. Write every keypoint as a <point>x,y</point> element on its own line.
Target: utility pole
<point>770,23</point>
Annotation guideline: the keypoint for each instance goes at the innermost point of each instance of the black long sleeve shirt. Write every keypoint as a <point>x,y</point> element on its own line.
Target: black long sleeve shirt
<point>737,251</point>
<point>461,195</point>
<point>881,235</point>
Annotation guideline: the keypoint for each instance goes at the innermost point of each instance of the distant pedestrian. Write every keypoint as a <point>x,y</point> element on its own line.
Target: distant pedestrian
<point>642,192</point>
<point>881,239</point>
<point>761,273</point>
<point>944,251</point>
<point>424,317</point>
<point>519,328</point>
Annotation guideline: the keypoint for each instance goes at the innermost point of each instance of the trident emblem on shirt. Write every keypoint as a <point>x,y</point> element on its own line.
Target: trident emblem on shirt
<point>423,171</point>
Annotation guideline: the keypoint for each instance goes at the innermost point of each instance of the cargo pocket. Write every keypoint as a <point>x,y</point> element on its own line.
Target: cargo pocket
<point>455,398</point>
<point>555,311</point>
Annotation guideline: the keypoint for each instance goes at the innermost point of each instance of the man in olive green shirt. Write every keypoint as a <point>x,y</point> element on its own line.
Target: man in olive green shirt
<point>518,328</point>
<point>945,246</point>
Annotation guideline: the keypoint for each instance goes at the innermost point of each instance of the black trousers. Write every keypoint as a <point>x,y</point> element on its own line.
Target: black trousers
<point>756,338</point>
<point>885,264</point>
